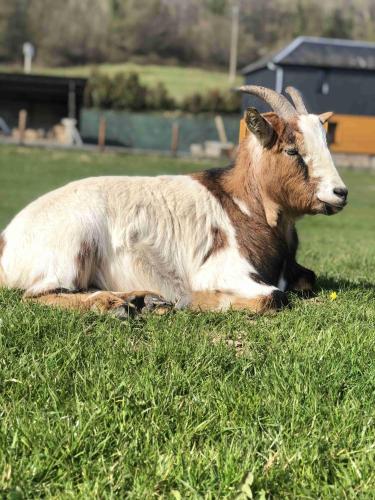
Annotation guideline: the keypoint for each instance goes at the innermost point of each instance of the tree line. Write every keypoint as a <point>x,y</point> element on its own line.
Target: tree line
<point>193,32</point>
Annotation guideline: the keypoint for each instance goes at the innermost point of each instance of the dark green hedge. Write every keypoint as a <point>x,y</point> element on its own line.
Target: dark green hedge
<point>124,91</point>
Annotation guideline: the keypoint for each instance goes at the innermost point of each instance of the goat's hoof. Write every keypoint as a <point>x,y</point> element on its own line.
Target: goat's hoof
<point>279,300</point>
<point>125,311</point>
<point>156,304</point>
<point>305,283</point>
<point>146,302</point>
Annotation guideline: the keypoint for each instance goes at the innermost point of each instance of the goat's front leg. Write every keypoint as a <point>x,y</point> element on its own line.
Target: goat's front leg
<point>119,304</point>
<point>299,278</point>
<point>216,300</point>
<point>231,283</point>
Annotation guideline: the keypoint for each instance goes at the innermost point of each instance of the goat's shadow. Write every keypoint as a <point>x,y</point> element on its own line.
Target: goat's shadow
<point>326,283</point>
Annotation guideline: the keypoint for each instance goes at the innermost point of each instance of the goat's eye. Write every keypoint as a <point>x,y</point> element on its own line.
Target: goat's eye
<point>292,152</point>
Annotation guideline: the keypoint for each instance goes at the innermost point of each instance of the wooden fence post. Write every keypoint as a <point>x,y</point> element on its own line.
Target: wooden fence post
<point>22,120</point>
<point>102,133</point>
<point>175,138</point>
<point>219,122</point>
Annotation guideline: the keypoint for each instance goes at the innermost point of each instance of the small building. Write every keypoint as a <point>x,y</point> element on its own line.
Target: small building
<point>47,99</point>
<point>333,75</point>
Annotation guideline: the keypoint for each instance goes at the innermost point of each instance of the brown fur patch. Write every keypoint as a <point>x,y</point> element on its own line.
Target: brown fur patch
<point>102,302</point>
<point>214,300</point>
<point>208,301</point>
<point>255,277</point>
<point>219,242</point>
<point>258,304</point>
<point>86,259</point>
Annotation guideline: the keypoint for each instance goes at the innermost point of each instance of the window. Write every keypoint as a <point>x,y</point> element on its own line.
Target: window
<point>325,88</point>
<point>331,132</point>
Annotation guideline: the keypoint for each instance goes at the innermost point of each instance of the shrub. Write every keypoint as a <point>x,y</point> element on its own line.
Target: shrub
<point>193,103</point>
<point>232,102</point>
<point>98,91</point>
<point>214,101</point>
<point>158,98</point>
<point>127,92</point>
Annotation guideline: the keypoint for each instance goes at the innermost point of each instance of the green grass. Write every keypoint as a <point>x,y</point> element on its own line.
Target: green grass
<point>180,81</point>
<point>188,405</point>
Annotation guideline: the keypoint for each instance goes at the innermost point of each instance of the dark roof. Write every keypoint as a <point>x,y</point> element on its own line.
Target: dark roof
<point>320,52</point>
<point>34,79</point>
<point>39,87</point>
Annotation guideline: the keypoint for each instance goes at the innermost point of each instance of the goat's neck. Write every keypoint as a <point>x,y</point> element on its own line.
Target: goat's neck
<point>241,183</point>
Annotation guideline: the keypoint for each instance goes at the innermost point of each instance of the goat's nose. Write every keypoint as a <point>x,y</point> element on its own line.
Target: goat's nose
<point>341,193</point>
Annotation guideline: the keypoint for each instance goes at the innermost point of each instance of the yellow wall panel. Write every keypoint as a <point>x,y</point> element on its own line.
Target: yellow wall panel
<point>353,134</point>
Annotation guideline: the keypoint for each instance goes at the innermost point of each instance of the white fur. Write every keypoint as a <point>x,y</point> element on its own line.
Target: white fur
<point>256,149</point>
<point>242,206</point>
<point>151,233</point>
<point>282,284</point>
<point>318,154</point>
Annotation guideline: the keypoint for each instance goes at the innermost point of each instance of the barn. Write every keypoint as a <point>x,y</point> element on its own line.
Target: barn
<point>47,99</point>
<point>333,75</point>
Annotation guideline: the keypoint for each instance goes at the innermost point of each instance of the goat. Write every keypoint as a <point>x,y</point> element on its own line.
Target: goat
<point>214,240</point>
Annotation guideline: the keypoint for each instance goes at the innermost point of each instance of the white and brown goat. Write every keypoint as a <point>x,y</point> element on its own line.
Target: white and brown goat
<point>219,239</point>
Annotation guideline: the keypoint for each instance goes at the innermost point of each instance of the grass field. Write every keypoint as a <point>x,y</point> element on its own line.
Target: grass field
<point>180,81</point>
<point>193,405</point>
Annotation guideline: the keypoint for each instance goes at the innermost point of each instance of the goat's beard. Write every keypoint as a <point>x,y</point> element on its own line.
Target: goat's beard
<point>325,208</point>
<point>331,210</point>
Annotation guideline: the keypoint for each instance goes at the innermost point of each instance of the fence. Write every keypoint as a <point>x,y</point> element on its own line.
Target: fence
<point>154,130</point>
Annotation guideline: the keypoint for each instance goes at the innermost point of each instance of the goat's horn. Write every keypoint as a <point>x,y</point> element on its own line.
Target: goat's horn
<point>278,102</point>
<point>297,100</point>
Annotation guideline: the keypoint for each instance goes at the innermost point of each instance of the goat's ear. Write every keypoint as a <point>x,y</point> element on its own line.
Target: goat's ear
<point>259,126</point>
<point>324,117</point>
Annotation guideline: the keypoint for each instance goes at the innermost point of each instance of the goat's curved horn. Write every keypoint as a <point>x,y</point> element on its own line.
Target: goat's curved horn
<point>297,100</point>
<point>278,102</point>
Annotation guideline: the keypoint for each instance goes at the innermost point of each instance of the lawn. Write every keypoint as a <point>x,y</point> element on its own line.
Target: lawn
<point>180,81</point>
<point>193,405</point>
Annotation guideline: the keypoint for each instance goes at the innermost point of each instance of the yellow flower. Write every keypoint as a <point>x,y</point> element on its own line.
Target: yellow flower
<point>333,296</point>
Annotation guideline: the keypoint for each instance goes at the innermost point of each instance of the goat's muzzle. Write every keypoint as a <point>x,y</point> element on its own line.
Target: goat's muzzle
<point>337,201</point>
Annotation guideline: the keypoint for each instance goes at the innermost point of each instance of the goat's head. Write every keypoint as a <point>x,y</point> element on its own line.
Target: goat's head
<point>292,163</point>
